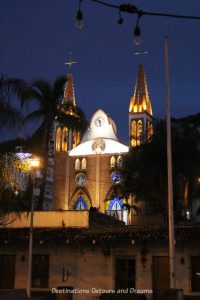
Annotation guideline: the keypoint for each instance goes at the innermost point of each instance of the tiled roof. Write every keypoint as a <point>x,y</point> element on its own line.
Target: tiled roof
<point>153,233</point>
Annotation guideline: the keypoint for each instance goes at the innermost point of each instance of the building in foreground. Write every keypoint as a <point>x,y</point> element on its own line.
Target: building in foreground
<point>94,256</point>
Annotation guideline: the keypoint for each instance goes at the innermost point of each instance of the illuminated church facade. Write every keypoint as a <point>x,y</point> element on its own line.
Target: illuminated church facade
<point>87,171</point>
<point>76,248</point>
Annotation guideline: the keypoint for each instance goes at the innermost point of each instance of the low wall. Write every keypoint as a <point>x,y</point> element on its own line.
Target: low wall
<point>48,219</point>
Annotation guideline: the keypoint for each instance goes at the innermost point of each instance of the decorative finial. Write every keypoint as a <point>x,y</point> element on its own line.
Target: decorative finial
<point>70,62</point>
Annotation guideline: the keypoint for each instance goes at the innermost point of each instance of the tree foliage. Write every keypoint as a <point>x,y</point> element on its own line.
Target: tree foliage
<point>145,168</point>
<point>10,117</point>
<point>12,197</point>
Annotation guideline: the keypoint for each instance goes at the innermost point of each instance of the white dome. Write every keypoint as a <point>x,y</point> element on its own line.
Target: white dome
<point>100,137</point>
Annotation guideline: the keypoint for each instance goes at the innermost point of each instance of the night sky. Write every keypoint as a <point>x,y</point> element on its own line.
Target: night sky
<point>37,36</point>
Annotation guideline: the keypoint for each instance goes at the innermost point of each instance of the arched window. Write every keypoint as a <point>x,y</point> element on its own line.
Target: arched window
<point>115,203</point>
<point>133,133</point>
<point>112,162</point>
<point>76,138</point>
<point>77,164</point>
<point>80,204</point>
<point>58,139</point>
<point>115,207</point>
<point>139,132</point>
<point>84,164</point>
<point>80,201</point>
<point>149,130</point>
<point>65,139</point>
<point>119,161</point>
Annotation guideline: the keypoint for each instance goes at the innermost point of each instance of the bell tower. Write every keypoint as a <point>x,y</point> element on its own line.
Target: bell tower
<point>140,111</point>
<point>67,137</point>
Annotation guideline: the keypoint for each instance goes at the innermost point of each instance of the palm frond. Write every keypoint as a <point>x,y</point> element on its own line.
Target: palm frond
<point>43,87</point>
<point>35,143</point>
<point>30,94</point>
<point>10,87</point>
<point>10,117</point>
<point>33,116</point>
<point>58,89</point>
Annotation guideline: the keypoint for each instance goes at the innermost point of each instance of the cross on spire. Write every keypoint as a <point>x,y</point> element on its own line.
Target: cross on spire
<point>70,62</point>
<point>141,53</point>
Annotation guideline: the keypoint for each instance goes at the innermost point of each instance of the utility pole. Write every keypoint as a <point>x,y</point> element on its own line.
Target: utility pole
<point>169,172</point>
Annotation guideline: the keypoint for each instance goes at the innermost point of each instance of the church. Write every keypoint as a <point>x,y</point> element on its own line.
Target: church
<point>86,245</point>
<point>87,170</point>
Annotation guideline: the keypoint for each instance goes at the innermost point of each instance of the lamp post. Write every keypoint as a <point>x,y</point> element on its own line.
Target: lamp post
<point>34,165</point>
<point>170,181</point>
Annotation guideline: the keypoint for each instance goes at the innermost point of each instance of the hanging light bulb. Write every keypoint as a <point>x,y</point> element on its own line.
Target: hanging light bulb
<point>79,17</point>
<point>120,20</point>
<point>137,36</point>
<point>137,32</point>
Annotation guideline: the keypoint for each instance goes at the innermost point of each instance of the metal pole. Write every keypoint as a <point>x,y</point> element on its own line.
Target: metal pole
<point>169,172</point>
<point>30,244</point>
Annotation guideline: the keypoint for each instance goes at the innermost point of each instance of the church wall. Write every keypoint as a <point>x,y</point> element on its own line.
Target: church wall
<point>91,183</point>
<point>106,182</point>
<point>98,179</point>
<point>60,181</point>
<point>91,174</point>
<point>72,183</point>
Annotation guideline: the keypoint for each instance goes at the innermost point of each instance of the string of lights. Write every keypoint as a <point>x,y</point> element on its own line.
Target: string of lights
<point>131,9</point>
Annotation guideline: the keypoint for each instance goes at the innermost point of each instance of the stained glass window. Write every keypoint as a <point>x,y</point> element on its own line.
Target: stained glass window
<point>80,201</point>
<point>80,204</point>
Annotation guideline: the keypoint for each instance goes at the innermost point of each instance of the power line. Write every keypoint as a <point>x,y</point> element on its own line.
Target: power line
<point>129,8</point>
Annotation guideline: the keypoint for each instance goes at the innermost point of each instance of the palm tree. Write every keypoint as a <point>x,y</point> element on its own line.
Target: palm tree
<point>48,99</point>
<point>10,117</point>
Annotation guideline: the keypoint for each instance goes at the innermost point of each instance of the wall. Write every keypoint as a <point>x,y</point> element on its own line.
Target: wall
<point>97,185</point>
<point>49,219</point>
<point>86,265</point>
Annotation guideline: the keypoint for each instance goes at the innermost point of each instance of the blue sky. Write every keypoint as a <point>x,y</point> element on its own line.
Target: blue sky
<point>38,35</point>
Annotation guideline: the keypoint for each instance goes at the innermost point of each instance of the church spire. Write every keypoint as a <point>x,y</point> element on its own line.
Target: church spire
<point>140,111</point>
<point>69,94</point>
<point>140,101</point>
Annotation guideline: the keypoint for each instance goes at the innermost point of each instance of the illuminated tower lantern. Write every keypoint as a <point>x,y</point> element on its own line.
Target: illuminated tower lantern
<point>140,111</point>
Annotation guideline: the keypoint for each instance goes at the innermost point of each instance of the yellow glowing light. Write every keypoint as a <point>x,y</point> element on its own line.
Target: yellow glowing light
<point>198,179</point>
<point>144,105</point>
<point>34,163</point>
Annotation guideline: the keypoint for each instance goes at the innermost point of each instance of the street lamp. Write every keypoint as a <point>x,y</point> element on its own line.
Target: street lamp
<point>34,164</point>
